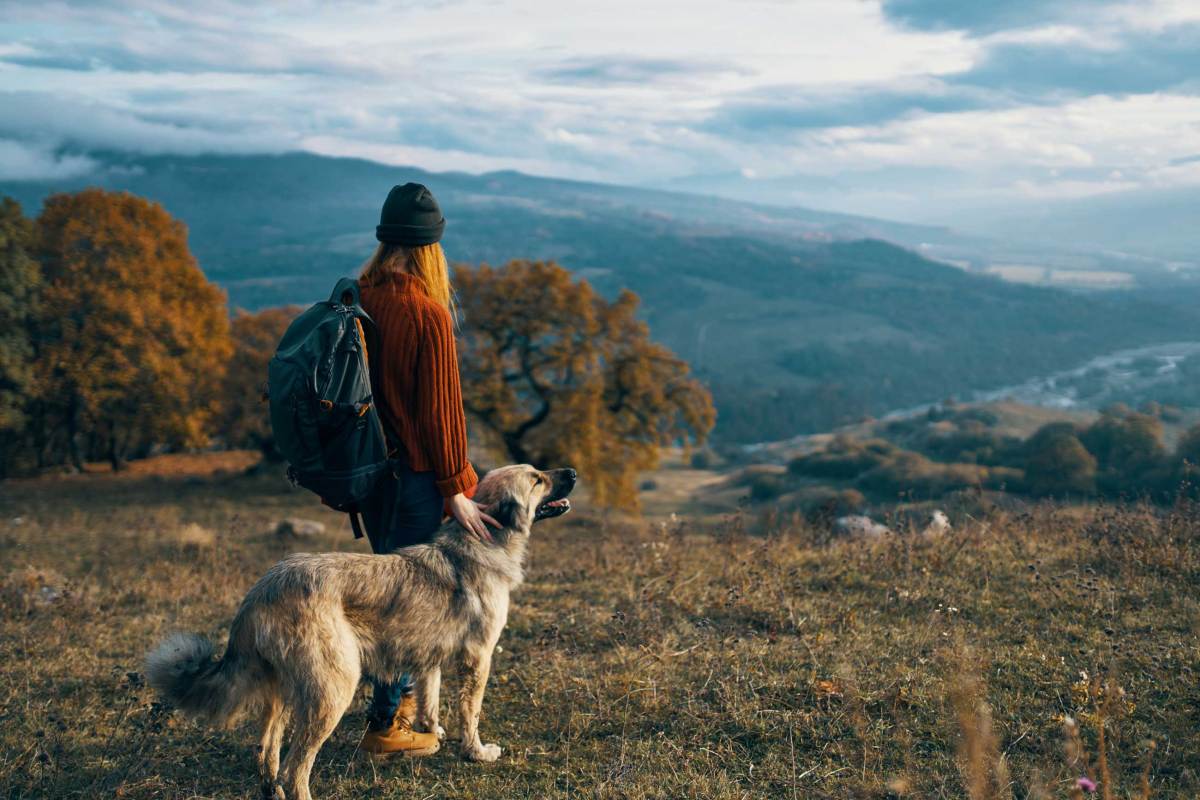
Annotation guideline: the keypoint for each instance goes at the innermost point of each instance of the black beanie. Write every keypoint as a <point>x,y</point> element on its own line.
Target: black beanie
<point>410,217</point>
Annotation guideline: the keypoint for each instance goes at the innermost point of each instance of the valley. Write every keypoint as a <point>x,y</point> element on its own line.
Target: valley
<point>798,320</point>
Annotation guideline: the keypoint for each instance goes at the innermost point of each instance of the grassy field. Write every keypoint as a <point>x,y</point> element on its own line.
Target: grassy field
<point>641,660</point>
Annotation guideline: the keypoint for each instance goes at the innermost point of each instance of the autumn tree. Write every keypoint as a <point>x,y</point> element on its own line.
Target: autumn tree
<point>132,338</point>
<point>244,421</point>
<point>19,280</point>
<point>556,374</point>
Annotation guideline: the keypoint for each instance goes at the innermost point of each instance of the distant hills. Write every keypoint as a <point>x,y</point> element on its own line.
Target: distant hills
<point>799,320</point>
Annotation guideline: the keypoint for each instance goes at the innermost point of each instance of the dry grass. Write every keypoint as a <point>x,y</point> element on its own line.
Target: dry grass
<point>641,660</point>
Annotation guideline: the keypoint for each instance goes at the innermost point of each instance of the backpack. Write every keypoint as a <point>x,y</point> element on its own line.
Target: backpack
<point>322,415</point>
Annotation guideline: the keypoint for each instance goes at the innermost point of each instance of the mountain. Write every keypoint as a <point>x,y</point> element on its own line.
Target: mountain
<point>795,319</point>
<point>1159,223</point>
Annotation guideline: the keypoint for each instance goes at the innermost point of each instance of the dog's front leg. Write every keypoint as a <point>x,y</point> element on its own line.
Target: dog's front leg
<point>429,687</point>
<point>476,664</point>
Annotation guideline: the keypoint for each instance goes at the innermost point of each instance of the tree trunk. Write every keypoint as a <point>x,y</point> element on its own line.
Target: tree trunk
<point>115,454</point>
<point>73,434</point>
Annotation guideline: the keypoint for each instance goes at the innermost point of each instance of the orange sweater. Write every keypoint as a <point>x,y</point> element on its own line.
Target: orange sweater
<point>415,380</point>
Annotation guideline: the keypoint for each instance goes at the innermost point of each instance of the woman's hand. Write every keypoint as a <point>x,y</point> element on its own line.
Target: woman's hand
<point>471,516</point>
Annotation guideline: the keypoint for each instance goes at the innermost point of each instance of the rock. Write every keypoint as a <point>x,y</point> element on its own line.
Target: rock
<point>859,526</point>
<point>297,528</point>
<point>938,524</point>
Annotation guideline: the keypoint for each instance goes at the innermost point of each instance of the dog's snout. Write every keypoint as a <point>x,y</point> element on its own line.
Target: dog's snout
<point>565,479</point>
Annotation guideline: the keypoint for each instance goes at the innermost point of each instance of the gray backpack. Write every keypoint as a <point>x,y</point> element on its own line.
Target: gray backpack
<point>322,415</point>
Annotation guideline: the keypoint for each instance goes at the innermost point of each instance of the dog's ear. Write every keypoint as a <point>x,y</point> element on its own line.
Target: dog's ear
<point>505,511</point>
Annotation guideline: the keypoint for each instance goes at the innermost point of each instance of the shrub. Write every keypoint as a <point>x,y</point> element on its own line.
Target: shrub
<point>766,487</point>
<point>1188,448</point>
<point>1057,463</point>
<point>1008,479</point>
<point>1129,452</point>
<point>826,503</point>
<point>913,473</point>
<point>844,459</point>
<point>973,447</point>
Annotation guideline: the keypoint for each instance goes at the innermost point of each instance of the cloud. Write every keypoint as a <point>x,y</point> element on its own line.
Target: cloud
<point>1139,62</point>
<point>149,36</point>
<point>986,16</point>
<point>623,70</point>
<point>24,161</point>
<point>61,119</point>
<point>440,159</point>
<point>911,105</point>
<point>770,112</point>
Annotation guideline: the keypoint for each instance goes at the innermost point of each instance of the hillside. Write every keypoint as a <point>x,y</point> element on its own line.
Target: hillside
<point>640,660</point>
<point>796,325</point>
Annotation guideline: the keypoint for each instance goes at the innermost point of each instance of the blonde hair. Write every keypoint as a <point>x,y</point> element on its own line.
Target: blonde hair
<point>427,263</point>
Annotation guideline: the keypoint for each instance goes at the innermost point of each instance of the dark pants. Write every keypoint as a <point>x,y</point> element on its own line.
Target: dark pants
<point>404,510</point>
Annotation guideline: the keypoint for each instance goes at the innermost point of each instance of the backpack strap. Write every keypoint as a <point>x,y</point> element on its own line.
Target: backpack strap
<point>356,524</point>
<point>346,293</point>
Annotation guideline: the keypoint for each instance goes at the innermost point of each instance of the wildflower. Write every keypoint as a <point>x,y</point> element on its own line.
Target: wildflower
<point>1087,784</point>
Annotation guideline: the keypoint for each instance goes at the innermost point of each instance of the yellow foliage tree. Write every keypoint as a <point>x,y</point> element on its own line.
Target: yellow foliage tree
<point>558,375</point>
<point>19,279</point>
<point>245,421</point>
<point>133,339</point>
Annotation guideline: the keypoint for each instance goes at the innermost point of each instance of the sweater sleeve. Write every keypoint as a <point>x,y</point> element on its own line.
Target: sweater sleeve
<point>440,418</point>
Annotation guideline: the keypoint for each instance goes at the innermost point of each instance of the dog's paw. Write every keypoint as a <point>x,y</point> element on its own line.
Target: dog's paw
<point>484,753</point>
<point>425,726</point>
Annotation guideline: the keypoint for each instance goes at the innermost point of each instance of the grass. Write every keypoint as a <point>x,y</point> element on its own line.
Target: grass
<point>641,660</point>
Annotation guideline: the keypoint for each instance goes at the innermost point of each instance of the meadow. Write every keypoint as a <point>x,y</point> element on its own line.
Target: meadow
<point>724,657</point>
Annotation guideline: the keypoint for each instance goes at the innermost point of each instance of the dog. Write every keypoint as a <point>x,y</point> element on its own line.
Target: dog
<point>315,624</point>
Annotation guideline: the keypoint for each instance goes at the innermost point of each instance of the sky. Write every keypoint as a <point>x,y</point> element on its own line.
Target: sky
<point>906,109</point>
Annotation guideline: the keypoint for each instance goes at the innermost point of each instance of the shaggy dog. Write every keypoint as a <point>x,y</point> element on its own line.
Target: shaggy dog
<point>314,625</point>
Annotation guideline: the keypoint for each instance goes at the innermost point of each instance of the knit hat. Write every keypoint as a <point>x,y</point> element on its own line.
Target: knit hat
<point>410,217</point>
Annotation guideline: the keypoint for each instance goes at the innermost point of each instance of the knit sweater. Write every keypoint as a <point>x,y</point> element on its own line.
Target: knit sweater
<point>415,381</point>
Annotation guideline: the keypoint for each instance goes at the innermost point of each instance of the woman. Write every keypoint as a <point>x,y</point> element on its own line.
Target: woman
<point>405,287</point>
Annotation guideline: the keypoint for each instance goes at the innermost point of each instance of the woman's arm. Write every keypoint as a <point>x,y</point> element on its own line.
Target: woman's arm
<point>441,422</point>
<point>443,425</point>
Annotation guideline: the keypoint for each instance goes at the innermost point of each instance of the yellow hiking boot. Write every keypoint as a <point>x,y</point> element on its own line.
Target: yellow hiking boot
<point>399,738</point>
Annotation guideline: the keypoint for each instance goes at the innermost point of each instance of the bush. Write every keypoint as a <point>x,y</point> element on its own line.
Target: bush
<point>844,459</point>
<point>766,487</point>
<point>1129,453</point>
<point>913,473</point>
<point>1008,479</point>
<point>1057,463</point>
<point>961,416</point>
<point>973,447</point>
<point>703,459</point>
<point>827,503</point>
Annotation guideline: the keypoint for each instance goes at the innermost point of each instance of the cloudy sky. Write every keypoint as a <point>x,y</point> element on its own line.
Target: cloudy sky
<point>909,109</point>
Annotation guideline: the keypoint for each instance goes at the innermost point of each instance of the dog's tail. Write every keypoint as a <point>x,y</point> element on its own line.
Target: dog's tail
<point>183,670</point>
